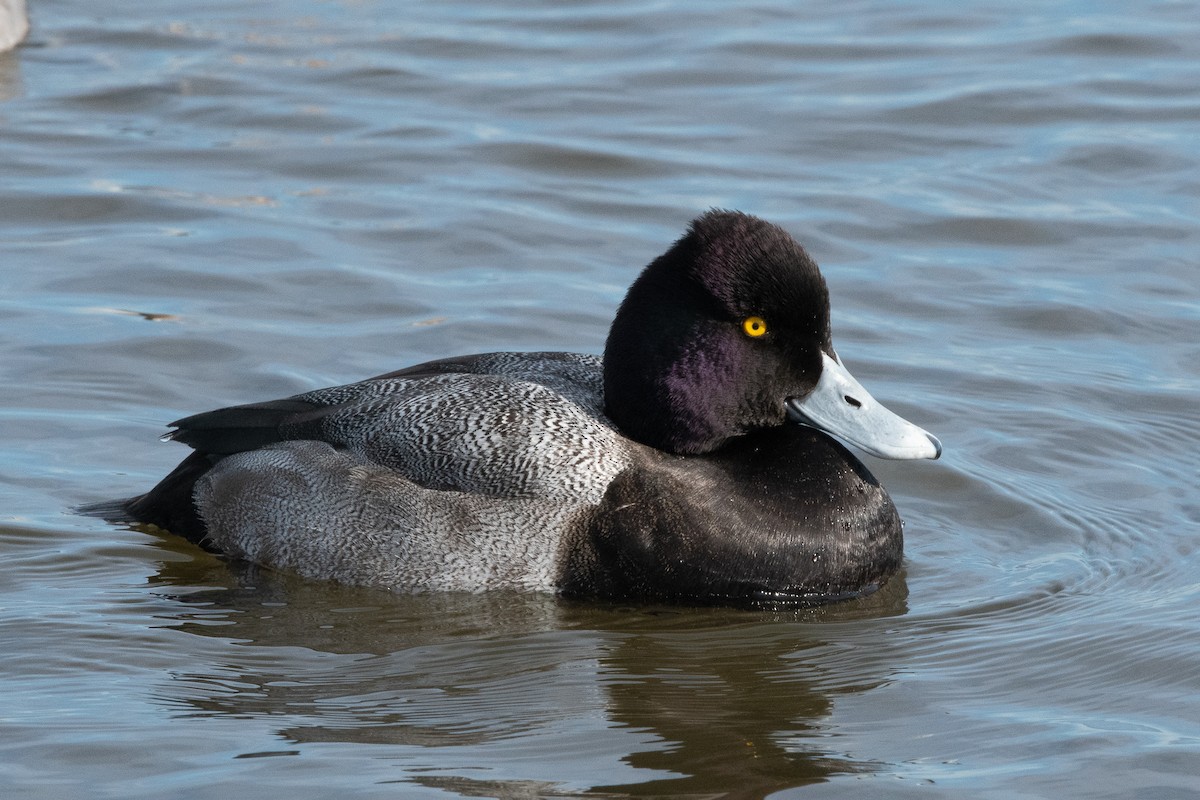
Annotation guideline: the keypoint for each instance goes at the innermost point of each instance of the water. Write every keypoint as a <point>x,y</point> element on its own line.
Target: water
<point>210,203</point>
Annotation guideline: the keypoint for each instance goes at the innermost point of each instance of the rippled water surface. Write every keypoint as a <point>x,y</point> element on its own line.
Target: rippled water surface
<point>216,202</point>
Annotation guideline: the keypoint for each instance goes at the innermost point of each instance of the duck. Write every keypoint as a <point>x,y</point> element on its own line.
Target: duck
<point>702,460</point>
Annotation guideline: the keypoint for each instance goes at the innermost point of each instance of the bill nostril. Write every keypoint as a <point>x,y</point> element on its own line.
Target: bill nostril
<point>852,401</point>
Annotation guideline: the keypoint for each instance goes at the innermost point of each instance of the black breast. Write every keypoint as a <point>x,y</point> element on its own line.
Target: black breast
<point>785,516</point>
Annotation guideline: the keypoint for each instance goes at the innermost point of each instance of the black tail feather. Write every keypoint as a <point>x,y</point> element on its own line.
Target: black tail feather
<point>240,428</point>
<point>109,510</point>
<point>169,505</point>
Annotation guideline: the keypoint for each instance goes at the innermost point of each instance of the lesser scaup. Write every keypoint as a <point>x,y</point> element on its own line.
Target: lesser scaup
<point>688,465</point>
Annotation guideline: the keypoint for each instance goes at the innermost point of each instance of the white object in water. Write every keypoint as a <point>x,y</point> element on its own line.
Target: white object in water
<point>13,23</point>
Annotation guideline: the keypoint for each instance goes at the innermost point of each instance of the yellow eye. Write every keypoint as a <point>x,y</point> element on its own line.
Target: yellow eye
<point>754,326</point>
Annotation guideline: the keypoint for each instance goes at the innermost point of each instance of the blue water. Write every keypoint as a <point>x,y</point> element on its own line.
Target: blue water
<point>206,204</point>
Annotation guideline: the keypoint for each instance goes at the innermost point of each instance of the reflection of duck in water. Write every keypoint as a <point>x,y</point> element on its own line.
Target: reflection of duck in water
<point>662,702</point>
<point>688,465</point>
<point>13,23</point>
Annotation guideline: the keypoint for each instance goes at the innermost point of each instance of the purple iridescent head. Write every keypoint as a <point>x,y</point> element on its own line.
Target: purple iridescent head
<point>728,332</point>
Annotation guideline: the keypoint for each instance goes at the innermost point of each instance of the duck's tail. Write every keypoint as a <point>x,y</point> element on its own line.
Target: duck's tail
<point>169,505</point>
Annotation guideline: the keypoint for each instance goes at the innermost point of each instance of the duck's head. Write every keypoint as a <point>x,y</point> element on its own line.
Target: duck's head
<point>728,332</point>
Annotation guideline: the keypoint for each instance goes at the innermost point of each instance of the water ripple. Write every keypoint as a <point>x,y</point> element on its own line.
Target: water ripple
<point>200,209</point>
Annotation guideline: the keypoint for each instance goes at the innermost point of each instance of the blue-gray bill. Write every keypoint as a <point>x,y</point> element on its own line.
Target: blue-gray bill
<point>840,406</point>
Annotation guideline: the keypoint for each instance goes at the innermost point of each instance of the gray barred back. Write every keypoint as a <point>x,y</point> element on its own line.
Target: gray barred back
<point>502,424</point>
<point>429,480</point>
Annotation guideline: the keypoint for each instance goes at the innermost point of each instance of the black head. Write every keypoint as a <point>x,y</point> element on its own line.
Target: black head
<point>715,335</point>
